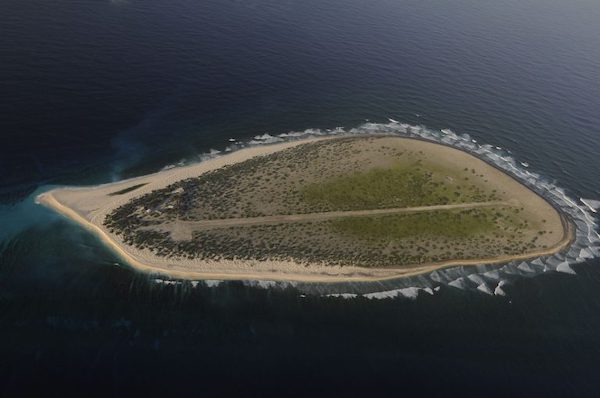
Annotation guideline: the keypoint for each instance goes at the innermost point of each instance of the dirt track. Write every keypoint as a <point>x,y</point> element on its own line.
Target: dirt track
<point>182,229</point>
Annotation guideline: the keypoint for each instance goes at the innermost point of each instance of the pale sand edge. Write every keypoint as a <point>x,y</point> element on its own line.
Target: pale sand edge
<point>318,272</point>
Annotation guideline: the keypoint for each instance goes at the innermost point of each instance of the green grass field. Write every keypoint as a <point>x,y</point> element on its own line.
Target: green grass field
<point>398,186</point>
<point>447,224</point>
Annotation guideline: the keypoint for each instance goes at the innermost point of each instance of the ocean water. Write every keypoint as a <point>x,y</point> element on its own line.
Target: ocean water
<point>101,90</point>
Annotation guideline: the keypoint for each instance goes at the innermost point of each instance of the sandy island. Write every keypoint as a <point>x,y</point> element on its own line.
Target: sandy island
<point>88,206</point>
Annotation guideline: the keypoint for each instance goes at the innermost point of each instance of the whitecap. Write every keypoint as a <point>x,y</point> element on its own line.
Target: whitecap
<point>499,291</point>
<point>525,267</point>
<point>565,268</point>
<point>409,292</point>
<point>485,289</point>
<point>343,295</point>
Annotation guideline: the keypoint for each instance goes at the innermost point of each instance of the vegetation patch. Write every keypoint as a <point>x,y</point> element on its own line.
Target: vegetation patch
<point>395,186</point>
<point>427,225</point>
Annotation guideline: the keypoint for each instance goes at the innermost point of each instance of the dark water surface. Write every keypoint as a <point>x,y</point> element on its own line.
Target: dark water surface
<point>94,91</point>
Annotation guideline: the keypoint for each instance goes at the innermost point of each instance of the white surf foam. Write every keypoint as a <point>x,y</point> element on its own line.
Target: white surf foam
<point>409,292</point>
<point>343,295</point>
<point>485,289</point>
<point>499,290</point>
<point>592,204</point>
<point>565,267</point>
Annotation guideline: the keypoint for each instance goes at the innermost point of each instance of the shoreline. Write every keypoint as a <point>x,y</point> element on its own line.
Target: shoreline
<point>86,213</point>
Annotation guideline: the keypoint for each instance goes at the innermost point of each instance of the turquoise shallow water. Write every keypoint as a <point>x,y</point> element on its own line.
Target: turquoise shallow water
<point>98,91</point>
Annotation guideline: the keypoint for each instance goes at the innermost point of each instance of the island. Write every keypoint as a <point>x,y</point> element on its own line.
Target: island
<point>327,209</point>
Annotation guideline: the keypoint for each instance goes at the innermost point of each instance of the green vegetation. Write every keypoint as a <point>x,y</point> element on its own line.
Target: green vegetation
<point>384,241</point>
<point>124,191</point>
<point>396,186</point>
<point>448,224</point>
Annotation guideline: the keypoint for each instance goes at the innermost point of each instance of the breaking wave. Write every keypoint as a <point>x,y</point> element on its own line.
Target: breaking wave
<point>485,278</point>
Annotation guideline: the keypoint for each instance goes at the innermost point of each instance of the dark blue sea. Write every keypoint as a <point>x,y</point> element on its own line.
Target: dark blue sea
<point>99,90</point>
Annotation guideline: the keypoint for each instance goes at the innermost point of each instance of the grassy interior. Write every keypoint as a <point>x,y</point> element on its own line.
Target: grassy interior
<point>395,186</point>
<point>450,224</point>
